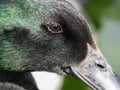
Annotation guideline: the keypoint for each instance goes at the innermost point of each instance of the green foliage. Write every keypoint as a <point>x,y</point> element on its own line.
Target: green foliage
<point>96,8</point>
<point>114,10</point>
<point>72,83</point>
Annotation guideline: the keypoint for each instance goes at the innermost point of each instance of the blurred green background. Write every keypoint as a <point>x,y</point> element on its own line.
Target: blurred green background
<point>104,16</point>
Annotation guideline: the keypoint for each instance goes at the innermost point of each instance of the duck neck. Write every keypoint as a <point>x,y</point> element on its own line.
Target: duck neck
<point>14,80</point>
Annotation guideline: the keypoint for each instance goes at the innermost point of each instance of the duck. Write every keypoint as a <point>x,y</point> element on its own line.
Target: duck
<point>52,36</point>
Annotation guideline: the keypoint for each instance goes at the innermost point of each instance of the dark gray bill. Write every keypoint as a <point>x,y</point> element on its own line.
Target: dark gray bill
<point>95,72</point>
<point>99,81</point>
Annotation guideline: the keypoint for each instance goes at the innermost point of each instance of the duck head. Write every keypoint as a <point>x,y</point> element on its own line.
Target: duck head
<point>51,35</point>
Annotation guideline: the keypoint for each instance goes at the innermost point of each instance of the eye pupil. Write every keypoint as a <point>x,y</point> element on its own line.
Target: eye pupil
<point>54,28</point>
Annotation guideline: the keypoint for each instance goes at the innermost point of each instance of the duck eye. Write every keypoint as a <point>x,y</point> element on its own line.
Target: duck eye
<point>54,28</point>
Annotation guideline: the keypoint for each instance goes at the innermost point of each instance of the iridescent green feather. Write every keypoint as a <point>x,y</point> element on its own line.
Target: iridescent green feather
<point>27,14</point>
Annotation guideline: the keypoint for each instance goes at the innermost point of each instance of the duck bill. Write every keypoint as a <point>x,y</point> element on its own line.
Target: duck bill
<point>107,80</point>
<point>95,71</point>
